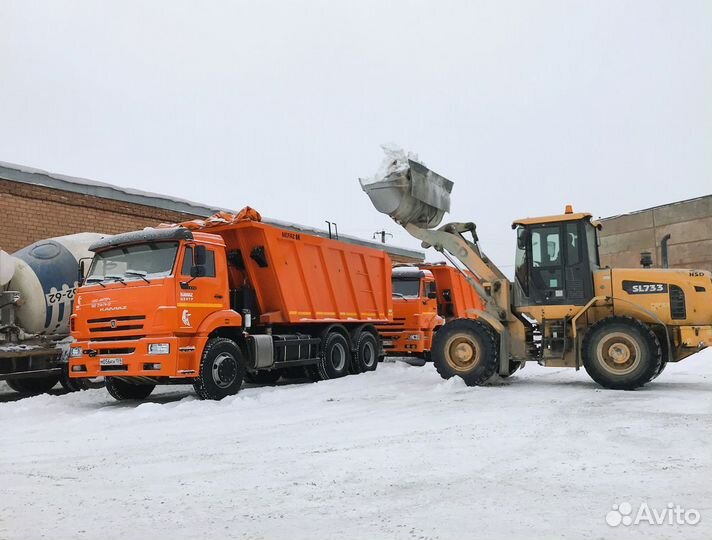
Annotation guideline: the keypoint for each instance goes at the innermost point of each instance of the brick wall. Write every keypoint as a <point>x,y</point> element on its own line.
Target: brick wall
<point>29,213</point>
<point>689,224</point>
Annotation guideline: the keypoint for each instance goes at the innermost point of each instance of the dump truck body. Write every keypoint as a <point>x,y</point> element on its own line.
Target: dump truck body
<point>424,298</point>
<point>271,298</point>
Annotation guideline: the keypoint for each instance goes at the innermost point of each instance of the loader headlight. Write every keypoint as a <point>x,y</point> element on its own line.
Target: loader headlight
<point>159,348</point>
<point>75,352</point>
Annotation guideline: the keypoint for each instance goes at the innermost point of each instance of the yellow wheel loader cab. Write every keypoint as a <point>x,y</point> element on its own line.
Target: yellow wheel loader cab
<point>623,325</point>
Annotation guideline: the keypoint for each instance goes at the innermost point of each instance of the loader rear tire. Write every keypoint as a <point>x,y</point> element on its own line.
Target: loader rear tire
<point>621,353</point>
<point>123,390</point>
<point>33,385</point>
<point>467,349</point>
<point>222,369</point>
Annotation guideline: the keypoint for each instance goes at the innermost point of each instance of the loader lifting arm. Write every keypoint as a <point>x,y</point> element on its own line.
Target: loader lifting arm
<point>417,199</point>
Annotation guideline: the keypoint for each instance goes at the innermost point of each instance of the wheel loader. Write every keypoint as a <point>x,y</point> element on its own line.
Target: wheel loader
<point>623,325</point>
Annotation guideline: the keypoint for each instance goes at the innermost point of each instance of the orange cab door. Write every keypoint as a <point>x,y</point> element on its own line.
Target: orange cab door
<point>199,297</point>
<point>429,296</point>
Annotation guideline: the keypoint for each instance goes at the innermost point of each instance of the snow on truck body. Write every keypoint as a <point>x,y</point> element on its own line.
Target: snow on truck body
<point>209,302</point>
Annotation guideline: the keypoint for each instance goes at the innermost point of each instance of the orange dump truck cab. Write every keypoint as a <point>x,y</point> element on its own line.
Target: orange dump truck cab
<point>424,298</point>
<point>214,303</point>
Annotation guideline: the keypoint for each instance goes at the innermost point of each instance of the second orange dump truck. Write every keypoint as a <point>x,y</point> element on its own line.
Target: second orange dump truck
<point>208,302</point>
<point>424,298</point>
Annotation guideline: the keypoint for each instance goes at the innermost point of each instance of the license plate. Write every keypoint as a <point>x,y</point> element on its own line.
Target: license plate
<point>111,362</point>
<point>387,342</point>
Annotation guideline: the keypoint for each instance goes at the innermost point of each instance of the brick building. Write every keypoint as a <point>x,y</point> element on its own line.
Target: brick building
<point>689,224</point>
<point>35,205</point>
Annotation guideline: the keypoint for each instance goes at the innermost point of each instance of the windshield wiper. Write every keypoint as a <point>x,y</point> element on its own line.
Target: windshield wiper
<point>95,279</point>
<point>116,277</point>
<point>400,295</point>
<point>138,273</point>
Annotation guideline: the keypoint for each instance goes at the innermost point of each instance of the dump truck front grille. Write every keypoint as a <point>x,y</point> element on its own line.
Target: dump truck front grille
<point>116,328</point>
<point>678,309</point>
<point>118,338</point>
<point>118,319</point>
<point>397,324</point>
<point>124,350</point>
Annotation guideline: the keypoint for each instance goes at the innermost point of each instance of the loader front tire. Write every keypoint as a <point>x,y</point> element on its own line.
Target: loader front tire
<point>123,390</point>
<point>621,353</point>
<point>222,369</point>
<point>467,349</point>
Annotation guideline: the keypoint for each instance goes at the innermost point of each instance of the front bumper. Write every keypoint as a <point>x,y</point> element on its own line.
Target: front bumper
<point>403,342</point>
<point>131,359</point>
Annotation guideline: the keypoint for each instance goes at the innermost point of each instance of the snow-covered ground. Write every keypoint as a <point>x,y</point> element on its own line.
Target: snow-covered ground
<point>398,453</point>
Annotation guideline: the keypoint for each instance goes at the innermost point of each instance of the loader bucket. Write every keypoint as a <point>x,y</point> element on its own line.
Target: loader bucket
<point>411,194</point>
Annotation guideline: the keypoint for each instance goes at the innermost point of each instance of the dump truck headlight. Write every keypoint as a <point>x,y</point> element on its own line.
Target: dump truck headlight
<point>414,337</point>
<point>75,352</point>
<point>159,348</point>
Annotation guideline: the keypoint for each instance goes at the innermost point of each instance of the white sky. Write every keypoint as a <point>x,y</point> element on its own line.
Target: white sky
<point>526,105</point>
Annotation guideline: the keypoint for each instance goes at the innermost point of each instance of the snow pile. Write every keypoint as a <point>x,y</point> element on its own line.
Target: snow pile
<point>397,453</point>
<point>395,163</point>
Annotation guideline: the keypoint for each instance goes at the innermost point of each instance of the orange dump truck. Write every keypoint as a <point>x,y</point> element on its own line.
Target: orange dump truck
<point>212,302</point>
<point>424,297</point>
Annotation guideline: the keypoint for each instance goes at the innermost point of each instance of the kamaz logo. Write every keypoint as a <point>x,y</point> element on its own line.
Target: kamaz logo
<point>112,323</point>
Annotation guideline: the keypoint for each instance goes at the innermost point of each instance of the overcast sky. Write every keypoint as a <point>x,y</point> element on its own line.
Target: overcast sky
<point>526,106</point>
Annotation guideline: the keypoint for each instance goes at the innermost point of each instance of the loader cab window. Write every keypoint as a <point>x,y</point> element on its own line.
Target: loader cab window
<point>520,261</point>
<point>547,275</point>
<point>188,262</point>
<point>553,265</point>
<point>592,244</point>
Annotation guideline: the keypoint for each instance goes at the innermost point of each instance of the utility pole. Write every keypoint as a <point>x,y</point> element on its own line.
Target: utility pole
<point>383,235</point>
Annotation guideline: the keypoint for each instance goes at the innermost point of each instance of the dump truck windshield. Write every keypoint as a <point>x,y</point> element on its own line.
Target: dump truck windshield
<point>138,261</point>
<point>406,287</point>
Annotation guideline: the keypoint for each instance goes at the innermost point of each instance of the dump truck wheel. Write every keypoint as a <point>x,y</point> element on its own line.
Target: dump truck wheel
<point>263,377</point>
<point>365,356</point>
<point>122,390</point>
<point>465,348</point>
<point>33,385</point>
<point>621,353</point>
<point>222,369</point>
<point>335,356</point>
